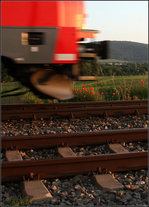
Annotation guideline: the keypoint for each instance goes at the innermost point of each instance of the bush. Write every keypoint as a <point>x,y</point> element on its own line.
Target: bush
<point>5,76</point>
<point>139,92</point>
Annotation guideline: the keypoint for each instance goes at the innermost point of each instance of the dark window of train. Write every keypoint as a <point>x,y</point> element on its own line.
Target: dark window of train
<point>35,38</point>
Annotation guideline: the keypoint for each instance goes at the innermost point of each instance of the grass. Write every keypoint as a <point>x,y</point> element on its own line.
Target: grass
<point>111,81</point>
<point>104,89</point>
<point>112,88</point>
<point>21,201</point>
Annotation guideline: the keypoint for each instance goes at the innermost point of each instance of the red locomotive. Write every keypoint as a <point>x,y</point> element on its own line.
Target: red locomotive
<point>45,36</point>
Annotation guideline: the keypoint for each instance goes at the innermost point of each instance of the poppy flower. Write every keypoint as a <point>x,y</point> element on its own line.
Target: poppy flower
<point>85,89</point>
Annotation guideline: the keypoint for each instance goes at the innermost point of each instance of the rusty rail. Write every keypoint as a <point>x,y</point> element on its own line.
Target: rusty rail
<point>51,168</point>
<point>72,109</point>
<point>74,139</point>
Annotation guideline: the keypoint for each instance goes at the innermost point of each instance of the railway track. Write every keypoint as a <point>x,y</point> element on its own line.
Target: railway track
<point>36,111</point>
<point>69,162</point>
<point>71,165</point>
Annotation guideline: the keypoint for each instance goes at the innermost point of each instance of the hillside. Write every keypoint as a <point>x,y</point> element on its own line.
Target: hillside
<point>128,51</point>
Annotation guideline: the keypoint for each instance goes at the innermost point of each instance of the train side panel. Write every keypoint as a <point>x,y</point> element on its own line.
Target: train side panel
<point>17,46</point>
<point>66,49</point>
<point>29,13</point>
<point>71,14</point>
<point>40,32</point>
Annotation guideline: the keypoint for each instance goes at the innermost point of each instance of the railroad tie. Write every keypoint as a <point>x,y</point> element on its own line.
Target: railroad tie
<point>66,152</point>
<point>35,189</point>
<point>13,155</point>
<point>108,182</point>
<point>117,148</point>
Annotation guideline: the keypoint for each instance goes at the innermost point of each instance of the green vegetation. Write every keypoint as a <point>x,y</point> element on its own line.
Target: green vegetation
<point>19,201</point>
<point>116,81</point>
<point>112,88</point>
<point>5,77</point>
<point>114,68</point>
<point>105,89</point>
<point>15,93</point>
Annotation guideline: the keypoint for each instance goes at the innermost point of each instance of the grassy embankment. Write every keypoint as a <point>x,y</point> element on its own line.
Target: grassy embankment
<point>104,89</point>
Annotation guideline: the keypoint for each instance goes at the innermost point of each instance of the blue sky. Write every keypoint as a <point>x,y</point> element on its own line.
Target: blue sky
<point>119,20</point>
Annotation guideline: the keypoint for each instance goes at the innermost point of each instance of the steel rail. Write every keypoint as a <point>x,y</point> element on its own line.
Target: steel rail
<point>72,112</point>
<point>52,168</point>
<point>74,139</point>
<point>74,104</point>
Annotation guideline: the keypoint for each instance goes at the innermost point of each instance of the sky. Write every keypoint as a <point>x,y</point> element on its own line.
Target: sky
<point>118,20</point>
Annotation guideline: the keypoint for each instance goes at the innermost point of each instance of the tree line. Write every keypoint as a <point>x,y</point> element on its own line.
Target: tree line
<point>106,69</point>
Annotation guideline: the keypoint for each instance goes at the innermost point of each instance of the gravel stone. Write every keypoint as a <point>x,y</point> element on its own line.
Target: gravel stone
<point>67,125</point>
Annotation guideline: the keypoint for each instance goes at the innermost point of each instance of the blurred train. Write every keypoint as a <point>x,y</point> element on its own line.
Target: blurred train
<point>43,43</point>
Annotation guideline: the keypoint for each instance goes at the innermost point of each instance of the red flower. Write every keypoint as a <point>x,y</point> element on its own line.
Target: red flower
<point>80,91</point>
<point>96,83</point>
<point>143,82</point>
<point>92,92</point>
<point>88,84</point>
<point>82,84</point>
<point>124,84</point>
<point>139,86</point>
<point>85,89</point>
<point>130,83</point>
<point>118,93</point>
<point>91,89</point>
<point>113,93</point>
<point>102,92</point>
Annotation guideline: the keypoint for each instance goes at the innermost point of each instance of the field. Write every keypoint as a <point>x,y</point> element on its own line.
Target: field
<point>104,89</point>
